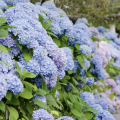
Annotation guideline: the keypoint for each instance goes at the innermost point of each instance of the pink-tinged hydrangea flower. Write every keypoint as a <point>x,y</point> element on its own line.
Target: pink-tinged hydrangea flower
<point>42,114</point>
<point>111,82</point>
<point>116,90</point>
<point>111,108</point>
<point>108,92</point>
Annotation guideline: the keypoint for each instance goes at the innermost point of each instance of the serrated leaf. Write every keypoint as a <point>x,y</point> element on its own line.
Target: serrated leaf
<point>65,37</point>
<point>40,103</point>
<point>2,106</point>
<point>3,49</point>
<point>13,112</point>
<point>83,66</point>
<point>26,94</point>
<point>88,115</point>
<point>77,72</point>
<point>70,72</point>
<point>27,56</point>
<point>44,86</point>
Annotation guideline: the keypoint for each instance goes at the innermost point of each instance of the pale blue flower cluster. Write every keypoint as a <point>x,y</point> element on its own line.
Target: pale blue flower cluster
<point>1,13</point>
<point>3,86</point>
<point>65,118</point>
<point>90,81</point>
<point>14,2</point>
<point>3,5</point>
<point>86,50</point>
<point>82,20</point>
<point>101,29</point>
<point>42,114</point>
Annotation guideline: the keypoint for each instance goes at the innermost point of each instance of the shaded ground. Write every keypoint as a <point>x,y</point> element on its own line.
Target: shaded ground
<point>117,115</point>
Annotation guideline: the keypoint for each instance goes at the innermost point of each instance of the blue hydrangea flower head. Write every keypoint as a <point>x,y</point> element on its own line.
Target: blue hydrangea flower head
<point>59,58</point>
<point>51,81</point>
<point>24,31</point>
<point>101,29</point>
<point>57,94</point>
<point>61,74</point>
<point>90,81</point>
<point>65,118</point>
<point>111,108</point>
<point>3,5</point>
<point>37,81</point>
<point>39,53</point>
<point>33,66</point>
<point>47,67</point>
<point>76,65</point>
<point>3,68</point>
<point>42,114</point>
<point>38,3</point>
<point>101,74</point>
<point>103,103</point>
<point>82,20</point>
<point>3,86</point>
<point>40,98</point>
<point>14,84</point>
<point>69,56</point>
<point>1,13</point>
<point>88,97</point>
<point>99,109</point>
<point>81,84</point>
<point>107,115</point>
<point>22,60</point>
<point>50,5</point>
<point>14,2</point>
<point>86,63</point>
<point>86,50</point>
<point>61,12</point>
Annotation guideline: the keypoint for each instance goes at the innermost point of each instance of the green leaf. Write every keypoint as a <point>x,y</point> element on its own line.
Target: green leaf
<point>27,56</point>
<point>30,108</point>
<point>65,37</point>
<point>3,49</point>
<point>29,84</point>
<point>77,72</point>
<point>45,26</point>
<point>57,42</point>
<point>50,33</point>
<point>91,110</point>
<point>83,66</point>
<point>67,77</point>
<point>2,106</point>
<point>2,20</point>
<point>8,96</point>
<point>13,112</point>
<point>76,113</point>
<point>11,117</point>
<point>19,45</point>
<point>41,104</point>
<point>41,19</point>
<point>14,101</point>
<point>75,82</point>
<point>76,90</point>
<point>48,22</point>
<point>26,94</point>
<point>4,27</point>
<point>52,100</point>
<point>80,58</point>
<point>82,79</point>
<point>44,86</point>
<point>70,72</point>
<point>88,115</point>
<point>41,92</point>
<point>111,96</point>
<point>30,75</point>
<point>3,33</point>
<point>77,46</point>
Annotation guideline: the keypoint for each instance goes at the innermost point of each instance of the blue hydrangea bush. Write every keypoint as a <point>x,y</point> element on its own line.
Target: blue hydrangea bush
<point>52,69</point>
